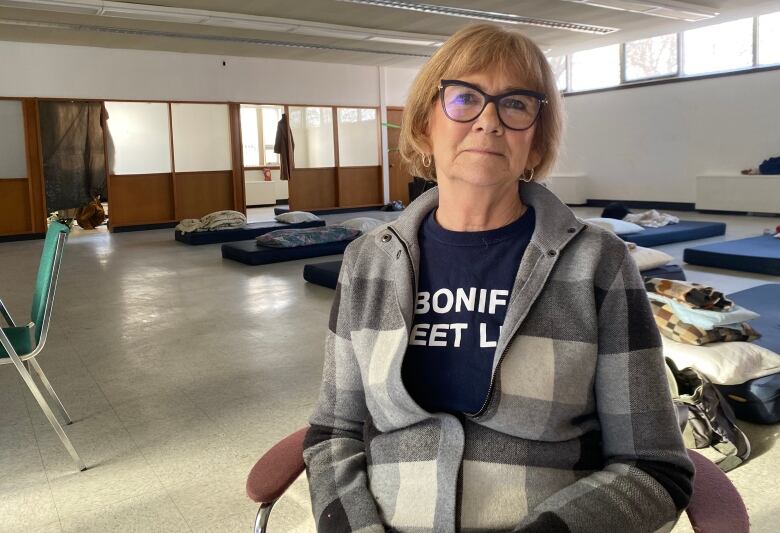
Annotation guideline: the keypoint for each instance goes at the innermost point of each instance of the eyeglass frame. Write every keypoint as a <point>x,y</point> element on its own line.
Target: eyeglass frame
<point>495,99</point>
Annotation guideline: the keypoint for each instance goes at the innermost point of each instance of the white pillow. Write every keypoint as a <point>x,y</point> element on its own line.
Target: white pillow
<point>293,217</point>
<point>362,224</point>
<point>724,363</point>
<point>648,258</point>
<point>618,227</point>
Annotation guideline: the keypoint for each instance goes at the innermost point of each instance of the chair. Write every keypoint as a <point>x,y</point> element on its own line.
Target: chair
<point>716,506</point>
<point>19,345</point>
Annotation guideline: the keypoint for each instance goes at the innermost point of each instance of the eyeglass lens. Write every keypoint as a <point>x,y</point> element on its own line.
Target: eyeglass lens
<point>464,104</point>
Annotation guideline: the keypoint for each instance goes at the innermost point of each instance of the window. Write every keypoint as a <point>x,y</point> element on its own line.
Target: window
<point>141,136</point>
<point>13,163</point>
<point>769,39</point>
<point>651,58</point>
<point>596,68</point>
<point>258,134</point>
<point>249,137</point>
<point>358,137</point>
<point>201,137</point>
<point>312,130</point>
<point>726,46</point>
<point>558,66</point>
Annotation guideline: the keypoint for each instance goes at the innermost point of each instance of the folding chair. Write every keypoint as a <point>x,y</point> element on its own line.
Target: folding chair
<point>19,345</point>
<point>716,506</point>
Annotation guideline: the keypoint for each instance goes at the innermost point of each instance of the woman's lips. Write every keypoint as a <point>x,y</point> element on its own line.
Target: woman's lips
<point>484,152</point>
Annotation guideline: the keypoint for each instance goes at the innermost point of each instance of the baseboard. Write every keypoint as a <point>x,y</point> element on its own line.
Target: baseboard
<point>283,201</point>
<point>640,204</point>
<point>22,237</point>
<point>143,227</point>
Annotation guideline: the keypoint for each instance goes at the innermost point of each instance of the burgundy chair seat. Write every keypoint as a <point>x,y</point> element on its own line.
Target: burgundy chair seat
<point>715,507</point>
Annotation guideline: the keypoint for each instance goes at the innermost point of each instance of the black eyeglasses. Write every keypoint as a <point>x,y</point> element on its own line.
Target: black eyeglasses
<point>517,109</point>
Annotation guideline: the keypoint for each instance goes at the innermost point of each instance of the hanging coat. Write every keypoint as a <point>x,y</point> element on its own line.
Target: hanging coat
<point>284,146</point>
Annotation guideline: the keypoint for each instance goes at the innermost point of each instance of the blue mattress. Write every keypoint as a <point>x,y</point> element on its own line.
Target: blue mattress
<point>327,274</point>
<point>248,252</point>
<point>665,272</point>
<point>245,232</point>
<point>685,230</point>
<point>754,254</point>
<point>758,400</point>
<point>324,274</point>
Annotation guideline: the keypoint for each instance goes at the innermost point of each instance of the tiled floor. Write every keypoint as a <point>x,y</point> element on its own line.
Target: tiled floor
<point>180,368</point>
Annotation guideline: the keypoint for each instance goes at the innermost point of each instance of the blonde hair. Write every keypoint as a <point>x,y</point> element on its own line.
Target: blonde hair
<point>479,48</point>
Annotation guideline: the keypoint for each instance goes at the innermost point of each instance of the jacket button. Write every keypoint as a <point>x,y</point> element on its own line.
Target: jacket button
<point>552,253</point>
<point>386,237</point>
<point>571,230</point>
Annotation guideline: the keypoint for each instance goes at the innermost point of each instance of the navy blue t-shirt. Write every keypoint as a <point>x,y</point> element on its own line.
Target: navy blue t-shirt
<point>465,282</point>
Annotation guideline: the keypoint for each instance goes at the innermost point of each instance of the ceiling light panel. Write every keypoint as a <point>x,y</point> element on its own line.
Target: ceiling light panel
<point>670,9</point>
<point>505,18</point>
<point>81,8</point>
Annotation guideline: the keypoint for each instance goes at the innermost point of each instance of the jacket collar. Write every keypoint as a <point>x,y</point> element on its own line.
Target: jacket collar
<point>555,222</point>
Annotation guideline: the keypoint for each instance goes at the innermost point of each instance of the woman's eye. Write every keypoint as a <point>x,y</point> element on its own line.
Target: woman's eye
<point>515,104</point>
<point>465,98</point>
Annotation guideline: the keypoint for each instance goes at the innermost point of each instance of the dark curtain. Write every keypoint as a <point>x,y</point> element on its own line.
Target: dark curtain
<point>284,146</point>
<point>74,168</point>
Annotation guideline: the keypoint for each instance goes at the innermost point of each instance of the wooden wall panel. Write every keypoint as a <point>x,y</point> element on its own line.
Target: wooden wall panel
<point>140,199</point>
<point>359,186</point>
<point>38,214</point>
<point>201,193</point>
<point>313,188</point>
<point>237,158</point>
<point>15,207</point>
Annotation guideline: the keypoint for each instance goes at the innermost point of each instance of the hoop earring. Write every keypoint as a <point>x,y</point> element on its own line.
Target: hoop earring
<point>426,160</point>
<point>526,177</point>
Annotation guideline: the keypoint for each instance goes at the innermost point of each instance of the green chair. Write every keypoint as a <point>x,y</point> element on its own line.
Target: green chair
<point>19,345</point>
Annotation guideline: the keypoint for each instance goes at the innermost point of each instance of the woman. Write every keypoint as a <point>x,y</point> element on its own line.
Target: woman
<point>492,362</point>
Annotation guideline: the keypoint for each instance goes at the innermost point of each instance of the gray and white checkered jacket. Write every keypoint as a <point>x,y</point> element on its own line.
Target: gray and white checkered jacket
<point>577,433</point>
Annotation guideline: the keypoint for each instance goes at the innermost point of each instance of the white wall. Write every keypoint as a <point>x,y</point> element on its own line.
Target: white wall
<point>397,83</point>
<point>45,70</point>
<point>650,143</point>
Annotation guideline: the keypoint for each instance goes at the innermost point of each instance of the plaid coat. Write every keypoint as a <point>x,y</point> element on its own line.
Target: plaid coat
<point>578,432</point>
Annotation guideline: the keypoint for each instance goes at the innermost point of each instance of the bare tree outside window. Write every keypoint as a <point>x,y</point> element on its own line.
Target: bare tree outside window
<point>558,66</point>
<point>651,58</point>
<point>769,39</point>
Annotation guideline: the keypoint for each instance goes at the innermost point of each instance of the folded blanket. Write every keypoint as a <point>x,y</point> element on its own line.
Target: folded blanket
<point>673,328</point>
<point>215,221</point>
<point>651,219</point>
<point>692,294</point>
<point>703,318</point>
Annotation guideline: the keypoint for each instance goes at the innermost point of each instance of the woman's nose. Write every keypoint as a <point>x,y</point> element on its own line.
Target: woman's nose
<point>488,120</point>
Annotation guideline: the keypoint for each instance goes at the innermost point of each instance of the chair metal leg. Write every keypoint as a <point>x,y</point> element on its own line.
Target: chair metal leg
<point>36,392</point>
<point>261,520</point>
<point>53,395</point>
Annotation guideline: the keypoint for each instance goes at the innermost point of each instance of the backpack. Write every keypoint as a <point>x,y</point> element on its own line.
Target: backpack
<point>709,421</point>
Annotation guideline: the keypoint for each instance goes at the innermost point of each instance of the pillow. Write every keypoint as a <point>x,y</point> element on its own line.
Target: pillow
<point>223,220</point>
<point>648,258</point>
<point>293,217</point>
<point>362,224</point>
<point>703,318</point>
<point>618,227</point>
<point>292,238</point>
<point>724,363</point>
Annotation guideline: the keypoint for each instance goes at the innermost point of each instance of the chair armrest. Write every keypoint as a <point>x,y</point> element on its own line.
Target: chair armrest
<point>277,469</point>
<point>716,506</point>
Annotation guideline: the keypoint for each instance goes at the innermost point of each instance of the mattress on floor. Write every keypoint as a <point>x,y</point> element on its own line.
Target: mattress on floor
<point>248,252</point>
<point>685,230</point>
<point>665,272</point>
<point>758,400</point>
<point>754,254</point>
<point>247,231</point>
<point>324,274</point>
